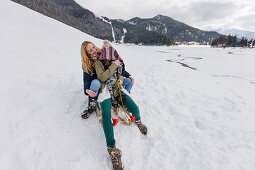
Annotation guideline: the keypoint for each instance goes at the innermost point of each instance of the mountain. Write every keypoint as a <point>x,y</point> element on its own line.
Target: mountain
<point>172,28</point>
<point>71,13</point>
<point>135,34</point>
<point>160,30</point>
<point>238,33</point>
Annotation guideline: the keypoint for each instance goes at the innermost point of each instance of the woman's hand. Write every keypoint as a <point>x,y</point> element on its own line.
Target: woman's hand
<point>91,93</point>
<point>117,62</point>
<point>120,82</point>
<point>132,80</point>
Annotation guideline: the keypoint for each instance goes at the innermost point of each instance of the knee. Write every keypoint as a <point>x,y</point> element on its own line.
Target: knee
<point>131,105</point>
<point>128,80</point>
<point>96,83</point>
<point>136,109</point>
<point>106,114</point>
<point>106,108</point>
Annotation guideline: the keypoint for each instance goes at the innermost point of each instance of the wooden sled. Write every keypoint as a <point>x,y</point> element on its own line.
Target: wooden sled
<point>122,114</point>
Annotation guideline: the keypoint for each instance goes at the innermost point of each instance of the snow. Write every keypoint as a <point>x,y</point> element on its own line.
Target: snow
<point>131,22</point>
<point>152,28</point>
<point>164,31</point>
<point>197,119</point>
<point>113,34</point>
<point>149,28</point>
<point>122,38</point>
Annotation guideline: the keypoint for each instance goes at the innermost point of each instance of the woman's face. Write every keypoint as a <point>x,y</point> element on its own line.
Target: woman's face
<point>91,50</point>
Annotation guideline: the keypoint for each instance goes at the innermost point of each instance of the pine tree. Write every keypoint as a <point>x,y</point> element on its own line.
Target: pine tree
<point>234,41</point>
<point>242,42</point>
<point>214,42</point>
<point>250,43</point>
<point>229,40</point>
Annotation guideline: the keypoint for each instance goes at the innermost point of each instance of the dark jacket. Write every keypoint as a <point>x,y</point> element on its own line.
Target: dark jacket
<point>88,78</point>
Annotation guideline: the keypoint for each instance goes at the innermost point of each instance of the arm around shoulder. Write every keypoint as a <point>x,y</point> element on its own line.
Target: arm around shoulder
<point>103,74</point>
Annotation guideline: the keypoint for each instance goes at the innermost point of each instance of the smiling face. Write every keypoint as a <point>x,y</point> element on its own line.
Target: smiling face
<point>91,50</point>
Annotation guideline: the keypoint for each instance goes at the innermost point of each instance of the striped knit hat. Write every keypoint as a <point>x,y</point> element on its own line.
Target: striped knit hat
<point>108,53</point>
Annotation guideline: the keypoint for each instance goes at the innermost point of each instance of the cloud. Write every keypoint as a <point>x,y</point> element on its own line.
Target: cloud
<point>197,13</point>
<point>247,21</point>
<point>204,11</point>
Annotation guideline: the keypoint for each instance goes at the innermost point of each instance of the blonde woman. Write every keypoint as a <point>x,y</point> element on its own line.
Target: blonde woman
<point>90,82</point>
<point>109,68</point>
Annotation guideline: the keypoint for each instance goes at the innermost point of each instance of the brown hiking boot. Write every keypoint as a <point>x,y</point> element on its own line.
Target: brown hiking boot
<point>115,156</point>
<point>141,127</point>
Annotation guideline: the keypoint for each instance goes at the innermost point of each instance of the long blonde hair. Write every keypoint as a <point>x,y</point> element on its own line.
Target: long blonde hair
<point>87,61</point>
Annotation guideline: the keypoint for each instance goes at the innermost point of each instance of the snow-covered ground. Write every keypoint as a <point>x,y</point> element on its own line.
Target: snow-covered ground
<point>199,119</point>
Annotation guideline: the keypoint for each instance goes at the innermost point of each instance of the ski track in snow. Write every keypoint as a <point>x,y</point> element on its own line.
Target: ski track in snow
<point>195,121</point>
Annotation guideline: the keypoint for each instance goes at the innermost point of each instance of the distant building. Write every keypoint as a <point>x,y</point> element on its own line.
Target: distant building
<point>221,45</point>
<point>193,43</point>
<point>178,43</point>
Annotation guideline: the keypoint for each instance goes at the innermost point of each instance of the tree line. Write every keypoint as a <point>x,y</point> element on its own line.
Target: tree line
<point>232,41</point>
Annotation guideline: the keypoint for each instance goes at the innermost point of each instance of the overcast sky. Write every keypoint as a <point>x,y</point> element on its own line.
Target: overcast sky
<point>203,14</point>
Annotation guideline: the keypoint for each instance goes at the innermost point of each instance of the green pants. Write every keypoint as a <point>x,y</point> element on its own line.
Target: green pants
<point>106,117</point>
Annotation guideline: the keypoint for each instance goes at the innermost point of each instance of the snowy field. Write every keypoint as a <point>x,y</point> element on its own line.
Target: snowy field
<point>198,119</point>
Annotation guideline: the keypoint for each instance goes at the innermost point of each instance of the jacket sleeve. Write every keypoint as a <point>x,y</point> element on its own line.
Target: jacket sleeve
<point>102,74</point>
<point>121,78</point>
<point>86,81</point>
<point>126,74</point>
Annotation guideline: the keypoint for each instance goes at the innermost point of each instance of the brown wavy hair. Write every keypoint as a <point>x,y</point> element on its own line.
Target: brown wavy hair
<point>87,61</point>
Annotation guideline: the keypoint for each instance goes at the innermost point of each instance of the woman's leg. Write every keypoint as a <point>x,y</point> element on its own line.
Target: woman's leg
<point>95,85</point>
<point>127,84</point>
<point>115,153</point>
<point>132,107</point>
<point>107,123</point>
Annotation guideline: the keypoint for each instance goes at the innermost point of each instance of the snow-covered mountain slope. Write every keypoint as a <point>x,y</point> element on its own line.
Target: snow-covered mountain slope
<point>197,119</point>
<point>238,33</point>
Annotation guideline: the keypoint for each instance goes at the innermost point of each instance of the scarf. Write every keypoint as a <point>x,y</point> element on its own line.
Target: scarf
<point>110,84</point>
